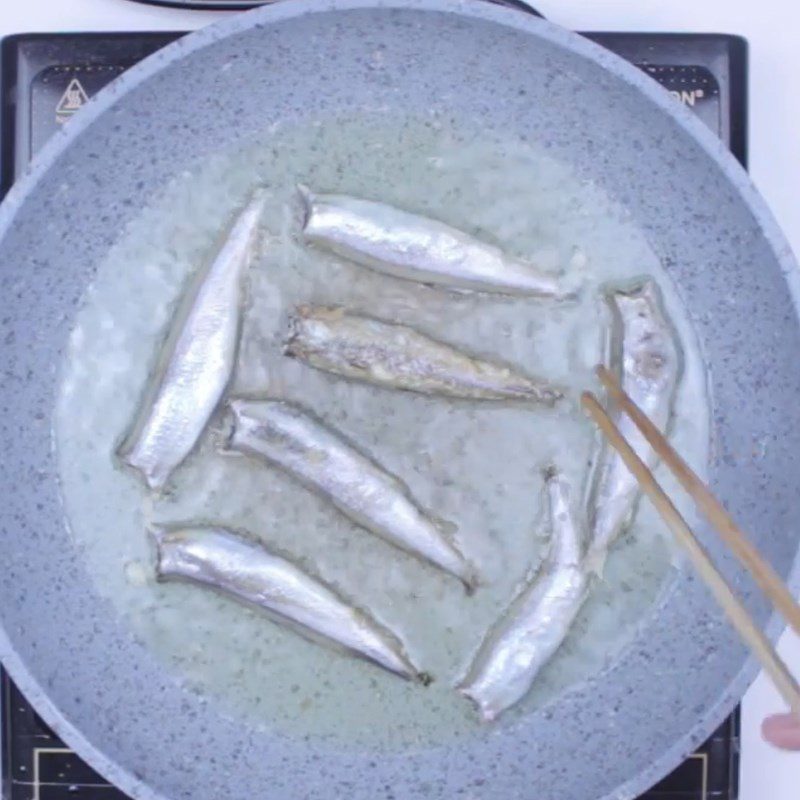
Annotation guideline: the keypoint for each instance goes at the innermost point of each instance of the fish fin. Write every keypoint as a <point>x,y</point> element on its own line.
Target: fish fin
<point>447,528</point>
<point>226,451</point>
<point>452,289</point>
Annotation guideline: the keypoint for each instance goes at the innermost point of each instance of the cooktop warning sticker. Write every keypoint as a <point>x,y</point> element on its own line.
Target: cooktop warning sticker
<point>59,92</point>
<point>73,98</point>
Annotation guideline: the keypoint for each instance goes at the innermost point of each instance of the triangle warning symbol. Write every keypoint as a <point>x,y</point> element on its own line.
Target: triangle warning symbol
<point>73,98</point>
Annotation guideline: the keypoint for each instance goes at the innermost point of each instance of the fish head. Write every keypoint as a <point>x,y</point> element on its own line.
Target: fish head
<point>239,419</point>
<point>642,335</point>
<point>158,535</point>
<point>263,420</point>
<point>309,329</point>
<point>638,299</point>
<point>307,201</point>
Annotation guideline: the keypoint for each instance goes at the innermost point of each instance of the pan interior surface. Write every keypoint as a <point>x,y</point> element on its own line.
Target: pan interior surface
<point>512,80</point>
<point>477,465</point>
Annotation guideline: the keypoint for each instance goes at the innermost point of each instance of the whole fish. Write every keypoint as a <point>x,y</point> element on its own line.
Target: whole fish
<point>539,618</point>
<point>248,572</point>
<point>398,357</point>
<point>645,353</point>
<point>417,248</point>
<point>291,439</point>
<point>197,359</point>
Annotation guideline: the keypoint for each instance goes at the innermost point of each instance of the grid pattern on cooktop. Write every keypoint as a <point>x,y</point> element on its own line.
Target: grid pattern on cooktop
<point>44,81</point>
<point>38,766</point>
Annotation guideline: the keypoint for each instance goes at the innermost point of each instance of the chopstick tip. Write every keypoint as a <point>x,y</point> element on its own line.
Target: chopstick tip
<point>588,400</point>
<point>603,373</point>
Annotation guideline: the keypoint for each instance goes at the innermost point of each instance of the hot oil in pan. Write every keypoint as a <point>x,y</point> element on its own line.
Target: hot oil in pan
<point>477,465</point>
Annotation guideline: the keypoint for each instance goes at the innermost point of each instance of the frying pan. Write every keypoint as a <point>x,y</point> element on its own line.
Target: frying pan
<point>614,735</point>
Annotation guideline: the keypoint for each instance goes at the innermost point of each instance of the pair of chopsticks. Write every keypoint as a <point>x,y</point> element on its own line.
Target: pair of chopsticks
<point>764,575</point>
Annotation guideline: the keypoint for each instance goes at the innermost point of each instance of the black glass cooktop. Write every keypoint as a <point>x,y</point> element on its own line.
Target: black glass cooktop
<point>45,79</point>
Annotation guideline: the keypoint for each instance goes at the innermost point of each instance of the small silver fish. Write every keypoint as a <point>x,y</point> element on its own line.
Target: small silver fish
<point>248,572</point>
<point>416,248</point>
<point>291,439</point>
<point>400,357</point>
<point>197,359</point>
<point>539,618</point>
<point>645,353</point>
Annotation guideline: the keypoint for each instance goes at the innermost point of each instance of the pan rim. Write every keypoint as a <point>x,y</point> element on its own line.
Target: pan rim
<point>577,45</point>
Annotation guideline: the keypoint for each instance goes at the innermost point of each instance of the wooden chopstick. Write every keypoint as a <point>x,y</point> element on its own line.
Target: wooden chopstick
<point>762,571</point>
<point>730,603</point>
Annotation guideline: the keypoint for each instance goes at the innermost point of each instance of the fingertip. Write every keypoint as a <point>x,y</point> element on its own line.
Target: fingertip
<point>782,731</point>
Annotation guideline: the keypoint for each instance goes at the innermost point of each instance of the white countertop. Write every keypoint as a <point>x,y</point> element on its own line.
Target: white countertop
<point>771,26</point>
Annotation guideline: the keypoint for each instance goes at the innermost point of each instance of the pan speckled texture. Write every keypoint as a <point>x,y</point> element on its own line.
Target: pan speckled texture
<point>610,738</point>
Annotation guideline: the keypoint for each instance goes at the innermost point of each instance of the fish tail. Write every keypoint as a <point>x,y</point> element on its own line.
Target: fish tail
<point>293,325</point>
<point>550,472</point>
<point>466,571</point>
<point>471,579</point>
<point>425,678</point>
<point>534,391</point>
<point>221,435</point>
<point>549,395</point>
<point>402,663</point>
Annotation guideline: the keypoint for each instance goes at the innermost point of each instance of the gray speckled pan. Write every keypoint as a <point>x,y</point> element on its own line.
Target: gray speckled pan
<point>611,738</point>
